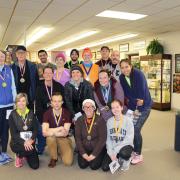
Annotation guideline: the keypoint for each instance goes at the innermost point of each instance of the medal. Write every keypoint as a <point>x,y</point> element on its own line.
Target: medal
<point>22,70</point>
<point>4,84</point>
<point>90,129</point>
<point>25,127</point>
<point>22,80</point>
<point>87,78</point>
<point>88,137</point>
<point>106,108</point>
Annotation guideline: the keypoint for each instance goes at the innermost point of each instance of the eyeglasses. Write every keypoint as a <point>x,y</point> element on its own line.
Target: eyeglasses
<point>88,107</point>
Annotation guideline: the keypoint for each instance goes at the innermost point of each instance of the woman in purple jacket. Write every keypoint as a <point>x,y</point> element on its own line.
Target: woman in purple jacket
<point>106,89</point>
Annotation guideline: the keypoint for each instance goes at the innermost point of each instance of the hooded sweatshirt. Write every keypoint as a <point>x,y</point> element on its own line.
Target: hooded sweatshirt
<point>124,137</point>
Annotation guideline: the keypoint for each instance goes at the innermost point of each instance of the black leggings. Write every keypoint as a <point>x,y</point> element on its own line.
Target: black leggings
<point>94,164</point>
<point>124,153</point>
<point>31,156</point>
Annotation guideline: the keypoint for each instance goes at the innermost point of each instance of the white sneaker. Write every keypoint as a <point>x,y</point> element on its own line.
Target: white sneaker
<point>125,165</point>
<point>137,159</point>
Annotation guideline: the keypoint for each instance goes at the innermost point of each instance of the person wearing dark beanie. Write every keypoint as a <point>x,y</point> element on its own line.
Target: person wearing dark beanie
<point>76,91</point>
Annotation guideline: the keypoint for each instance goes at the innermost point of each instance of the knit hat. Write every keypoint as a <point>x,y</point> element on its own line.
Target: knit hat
<point>78,68</point>
<point>89,101</point>
<point>62,55</point>
<point>87,50</point>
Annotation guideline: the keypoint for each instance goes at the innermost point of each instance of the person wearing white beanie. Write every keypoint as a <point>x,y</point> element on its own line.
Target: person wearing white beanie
<point>90,135</point>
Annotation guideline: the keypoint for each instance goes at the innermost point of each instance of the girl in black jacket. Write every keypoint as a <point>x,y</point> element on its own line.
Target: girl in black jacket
<point>23,128</point>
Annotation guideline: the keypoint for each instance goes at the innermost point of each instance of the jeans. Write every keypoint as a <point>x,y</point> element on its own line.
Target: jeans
<point>41,140</point>
<point>137,130</point>
<point>4,129</point>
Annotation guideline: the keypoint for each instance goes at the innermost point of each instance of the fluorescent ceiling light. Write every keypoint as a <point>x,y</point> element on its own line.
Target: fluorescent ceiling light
<point>37,34</point>
<point>109,40</point>
<point>121,15</point>
<point>71,39</point>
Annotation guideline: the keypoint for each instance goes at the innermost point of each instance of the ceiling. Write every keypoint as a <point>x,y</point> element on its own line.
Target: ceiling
<point>69,17</point>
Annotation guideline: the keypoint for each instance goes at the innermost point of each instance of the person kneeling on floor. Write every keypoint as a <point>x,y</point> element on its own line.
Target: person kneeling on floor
<point>23,127</point>
<point>90,135</point>
<point>56,124</point>
<point>120,135</point>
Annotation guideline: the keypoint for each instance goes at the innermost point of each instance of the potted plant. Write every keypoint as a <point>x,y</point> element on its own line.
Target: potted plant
<point>155,47</point>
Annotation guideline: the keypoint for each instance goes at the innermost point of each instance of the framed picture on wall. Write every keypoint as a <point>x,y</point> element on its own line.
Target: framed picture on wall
<point>94,56</point>
<point>177,63</point>
<point>124,47</point>
<point>98,55</point>
<point>176,83</point>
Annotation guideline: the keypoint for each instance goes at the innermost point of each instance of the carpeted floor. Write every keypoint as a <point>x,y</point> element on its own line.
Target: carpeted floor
<point>161,162</point>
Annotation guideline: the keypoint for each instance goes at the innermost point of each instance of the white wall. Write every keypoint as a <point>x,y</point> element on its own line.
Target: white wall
<point>171,42</point>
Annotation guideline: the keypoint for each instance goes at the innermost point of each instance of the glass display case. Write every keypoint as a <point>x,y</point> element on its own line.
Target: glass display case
<point>157,70</point>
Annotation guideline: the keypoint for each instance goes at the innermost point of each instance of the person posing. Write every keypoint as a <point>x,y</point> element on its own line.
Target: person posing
<point>8,94</point>
<point>103,63</point>
<point>90,70</point>
<point>43,57</point>
<point>43,100</point>
<point>25,74</point>
<point>56,124</point>
<point>107,89</point>
<point>74,54</point>
<point>23,128</point>
<point>115,65</point>
<point>76,91</point>
<point>138,99</point>
<point>61,75</point>
<point>90,137</point>
<point>120,135</point>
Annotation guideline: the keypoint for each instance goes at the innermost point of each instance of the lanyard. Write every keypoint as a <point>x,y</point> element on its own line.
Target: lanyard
<point>118,129</point>
<point>106,94</point>
<point>91,125</point>
<point>57,120</point>
<point>49,95</point>
<point>1,76</point>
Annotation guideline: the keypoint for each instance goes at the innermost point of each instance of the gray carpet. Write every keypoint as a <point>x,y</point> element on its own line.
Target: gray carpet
<point>161,162</point>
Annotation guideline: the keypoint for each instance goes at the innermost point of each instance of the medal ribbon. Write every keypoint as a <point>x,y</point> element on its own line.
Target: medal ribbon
<point>49,95</point>
<point>106,94</point>
<point>22,69</point>
<point>91,125</point>
<point>57,120</point>
<point>1,75</point>
<point>118,129</point>
<point>87,72</point>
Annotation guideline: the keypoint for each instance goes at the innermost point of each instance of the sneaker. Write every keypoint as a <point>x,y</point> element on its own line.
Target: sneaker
<point>7,157</point>
<point>125,165</point>
<point>2,160</point>
<point>137,159</point>
<point>18,161</point>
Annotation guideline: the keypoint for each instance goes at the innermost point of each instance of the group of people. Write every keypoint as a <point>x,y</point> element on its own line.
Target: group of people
<point>102,105</point>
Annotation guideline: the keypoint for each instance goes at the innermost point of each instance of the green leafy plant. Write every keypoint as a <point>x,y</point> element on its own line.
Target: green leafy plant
<point>155,47</point>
